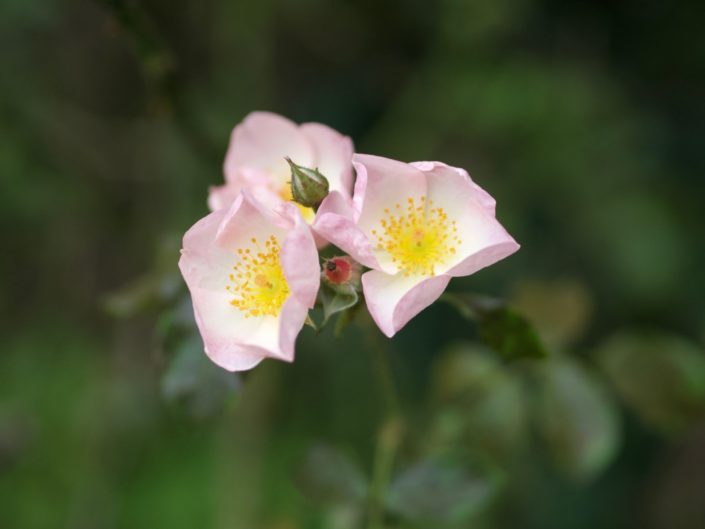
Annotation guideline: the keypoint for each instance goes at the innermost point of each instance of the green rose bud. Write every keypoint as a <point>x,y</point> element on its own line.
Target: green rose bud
<point>308,186</point>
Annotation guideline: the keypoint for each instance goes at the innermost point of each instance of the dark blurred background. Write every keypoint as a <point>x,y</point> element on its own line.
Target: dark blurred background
<point>584,119</point>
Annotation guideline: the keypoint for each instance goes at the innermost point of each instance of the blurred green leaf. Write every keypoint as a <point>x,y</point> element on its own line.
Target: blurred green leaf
<point>463,368</point>
<point>660,376</point>
<point>159,287</point>
<point>482,402</point>
<point>443,490</point>
<point>560,309</point>
<point>500,327</point>
<point>196,383</point>
<point>336,299</point>
<point>328,476</point>
<point>148,292</point>
<point>577,419</point>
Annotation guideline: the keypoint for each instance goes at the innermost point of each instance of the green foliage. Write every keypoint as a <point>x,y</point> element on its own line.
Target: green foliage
<point>478,403</point>
<point>195,383</point>
<point>499,326</point>
<point>443,491</point>
<point>337,299</point>
<point>577,419</point>
<point>584,121</point>
<point>661,377</point>
<point>330,477</point>
<point>559,308</point>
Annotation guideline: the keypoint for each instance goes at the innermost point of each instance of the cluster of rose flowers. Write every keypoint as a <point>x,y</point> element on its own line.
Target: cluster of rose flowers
<point>252,265</point>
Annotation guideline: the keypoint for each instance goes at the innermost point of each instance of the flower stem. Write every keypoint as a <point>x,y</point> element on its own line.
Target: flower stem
<point>388,437</point>
<point>387,444</point>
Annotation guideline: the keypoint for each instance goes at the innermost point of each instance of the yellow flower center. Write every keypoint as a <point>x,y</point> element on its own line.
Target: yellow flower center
<point>419,238</point>
<point>307,213</point>
<point>257,283</point>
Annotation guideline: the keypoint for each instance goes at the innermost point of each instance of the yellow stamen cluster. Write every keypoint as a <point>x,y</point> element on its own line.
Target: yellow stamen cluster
<point>257,282</point>
<point>307,213</point>
<point>417,238</point>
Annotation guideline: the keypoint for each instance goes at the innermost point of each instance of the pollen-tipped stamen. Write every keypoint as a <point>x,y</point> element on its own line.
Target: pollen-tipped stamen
<point>257,282</point>
<point>419,238</point>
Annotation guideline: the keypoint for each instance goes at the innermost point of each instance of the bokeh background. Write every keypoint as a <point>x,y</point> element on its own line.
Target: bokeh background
<point>585,120</point>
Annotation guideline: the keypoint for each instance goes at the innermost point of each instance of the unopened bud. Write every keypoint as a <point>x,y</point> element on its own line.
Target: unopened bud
<point>341,270</point>
<point>308,186</point>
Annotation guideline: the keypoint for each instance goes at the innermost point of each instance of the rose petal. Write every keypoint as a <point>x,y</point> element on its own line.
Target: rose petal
<point>225,331</point>
<point>220,197</point>
<point>480,195</point>
<point>483,240</point>
<point>261,142</point>
<point>333,155</point>
<point>299,259</point>
<point>334,222</point>
<point>231,338</point>
<point>387,186</point>
<point>291,321</point>
<point>393,300</point>
<point>249,219</point>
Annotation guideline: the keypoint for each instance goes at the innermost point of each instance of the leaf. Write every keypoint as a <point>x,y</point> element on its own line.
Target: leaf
<point>443,490</point>
<point>309,321</point>
<point>577,419</point>
<point>336,299</point>
<point>560,309</point>
<point>462,369</point>
<point>499,326</point>
<point>660,376</point>
<point>482,402</point>
<point>147,292</point>
<point>330,477</point>
<point>151,291</point>
<point>196,383</point>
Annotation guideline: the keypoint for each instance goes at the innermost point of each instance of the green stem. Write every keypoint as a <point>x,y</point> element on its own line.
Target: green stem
<point>389,435</point>
<point>387,444</point>
<point>383,370</point>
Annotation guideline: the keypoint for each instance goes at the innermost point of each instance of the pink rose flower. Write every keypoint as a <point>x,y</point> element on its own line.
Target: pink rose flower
<point>253,275</point>
<point>416,226</point>
<point>255,160</point>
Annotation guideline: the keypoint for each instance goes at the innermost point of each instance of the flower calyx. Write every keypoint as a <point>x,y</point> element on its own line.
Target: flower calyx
<point>308,186</point>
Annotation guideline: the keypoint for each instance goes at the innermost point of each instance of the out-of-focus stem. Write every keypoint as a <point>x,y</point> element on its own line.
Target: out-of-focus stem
<point>389,435</point>
<point>387,444</point>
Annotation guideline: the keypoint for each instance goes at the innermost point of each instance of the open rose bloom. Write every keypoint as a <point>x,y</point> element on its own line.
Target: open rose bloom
<point>256,160</point>
<point>252,265</point>
<point>253,276</point>
<point>415,226</point>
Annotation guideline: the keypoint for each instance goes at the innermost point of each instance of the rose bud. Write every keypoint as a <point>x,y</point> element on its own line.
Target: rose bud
<point>341,270</point>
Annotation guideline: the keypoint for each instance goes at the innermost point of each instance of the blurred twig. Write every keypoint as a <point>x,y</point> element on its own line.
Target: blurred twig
<point>160,68</point>
<point>157,61</point>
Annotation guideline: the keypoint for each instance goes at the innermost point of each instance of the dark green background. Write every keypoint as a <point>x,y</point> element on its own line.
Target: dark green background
<point>585,120</point>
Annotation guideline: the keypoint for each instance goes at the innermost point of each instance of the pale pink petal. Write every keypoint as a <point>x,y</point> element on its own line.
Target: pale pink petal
<point>231,338</point>
<point>480,195</point>
<point>482,239</point>
<point>225,331</point>
<point>247,219</point>
<point>261,142</point>
<point>234,358</point>
<point>299,259</point>
<point>484,258</point>
<point>393,300</point>
<point>220,197</point>
<point>334,222</point>
<point>385,187</point>
<point>333,154</point>
<point>291,321</point>
<point>204,264</point>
